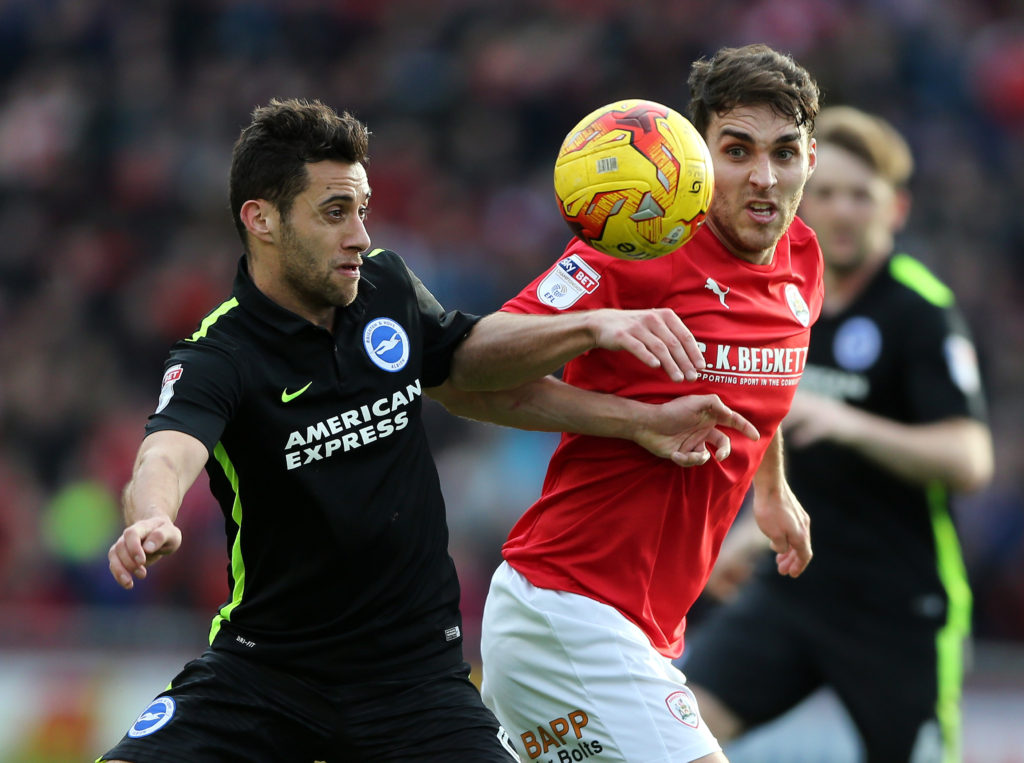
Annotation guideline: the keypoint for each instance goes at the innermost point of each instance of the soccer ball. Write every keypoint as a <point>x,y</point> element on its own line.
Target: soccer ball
<point>634,179</point>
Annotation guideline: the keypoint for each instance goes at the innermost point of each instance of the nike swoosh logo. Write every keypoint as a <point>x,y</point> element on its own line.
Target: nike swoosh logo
<point>287,397</point>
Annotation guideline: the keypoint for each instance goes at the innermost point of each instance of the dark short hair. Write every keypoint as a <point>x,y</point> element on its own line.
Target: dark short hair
<point>749,76</point>
<point>270,156</point>
<point>871,139</point>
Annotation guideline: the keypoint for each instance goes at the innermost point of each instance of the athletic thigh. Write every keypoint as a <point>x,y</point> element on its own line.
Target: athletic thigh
<point>213,712</point>
<point>756,655</point>
<point>441,718</point>
<point>572,679</point>
<point>886,671</point>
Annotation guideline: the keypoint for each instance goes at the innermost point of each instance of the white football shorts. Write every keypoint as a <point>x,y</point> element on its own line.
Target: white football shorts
<point>571,679</point>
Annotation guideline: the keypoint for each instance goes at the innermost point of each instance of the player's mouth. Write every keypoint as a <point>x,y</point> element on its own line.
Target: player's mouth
<point>762,211</point>
<point>349,269</point>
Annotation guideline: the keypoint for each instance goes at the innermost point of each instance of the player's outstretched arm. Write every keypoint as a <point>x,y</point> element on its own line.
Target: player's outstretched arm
<point>955,451</point>
<point>681,429</point>
<point>166,466</point>
<point>780,515</point>
<point>505,350</point>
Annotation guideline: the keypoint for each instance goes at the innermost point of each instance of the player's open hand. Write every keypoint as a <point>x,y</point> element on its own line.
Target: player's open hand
<point>657,337</point>
<point>813,418</point>
<point>140,545</point>
<point>783,520</point>
<point>683,429</point>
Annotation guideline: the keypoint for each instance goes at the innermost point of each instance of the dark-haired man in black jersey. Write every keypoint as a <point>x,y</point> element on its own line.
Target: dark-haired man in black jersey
<point>301,395</point>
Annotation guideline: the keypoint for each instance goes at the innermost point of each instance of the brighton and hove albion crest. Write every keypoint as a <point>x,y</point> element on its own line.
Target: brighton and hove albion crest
<point>153,718</point>
<point>387,344</point>
<point>857,344</point>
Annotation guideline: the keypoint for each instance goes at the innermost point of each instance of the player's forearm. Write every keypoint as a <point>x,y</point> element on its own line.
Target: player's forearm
<point>550,405</point>
<point>154,490</point>
<point>166,466</point>
<point>505,350</point>
<point>957,453</point>
<point>771,474</point>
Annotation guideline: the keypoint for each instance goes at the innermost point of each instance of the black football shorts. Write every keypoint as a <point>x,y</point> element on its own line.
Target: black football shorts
<point>764,653</point>
<point>223,708</point>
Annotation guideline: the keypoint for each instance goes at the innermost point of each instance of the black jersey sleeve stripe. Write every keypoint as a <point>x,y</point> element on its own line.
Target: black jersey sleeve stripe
<point>212,318</point>
<point>951,637</point>
<point>915,275</point>
<point>237,563</point>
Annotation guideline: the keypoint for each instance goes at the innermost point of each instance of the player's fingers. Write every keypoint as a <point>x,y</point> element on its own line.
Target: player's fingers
<point>798,555</point>
<point>690,458</point>
<point>721,443</point>
<point>730,418</point>
<point>784,563</point>
<point>714,409</point>
<point>655,346</point>
<point>683,337</point>
<point>803,553</point>
<point>131,543</point>
<point>121,564</point>
<point>674,345</point>
<point>159,541</point>
<point>792,563</point>
<point>640,350</point>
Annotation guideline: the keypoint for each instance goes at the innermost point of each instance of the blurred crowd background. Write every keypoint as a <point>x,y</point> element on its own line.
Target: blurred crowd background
<point>117,119</point>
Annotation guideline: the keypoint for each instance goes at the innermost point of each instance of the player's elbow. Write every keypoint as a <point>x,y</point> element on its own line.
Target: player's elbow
<point>977,467</point>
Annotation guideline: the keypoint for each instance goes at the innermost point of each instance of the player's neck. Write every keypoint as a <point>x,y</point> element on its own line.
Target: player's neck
<point>269,280</point>
<point>842,287</point>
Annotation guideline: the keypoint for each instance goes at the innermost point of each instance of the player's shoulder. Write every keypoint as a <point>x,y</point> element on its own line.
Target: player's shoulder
<point>801,235</point>
<point>220,341</point>
<point>383,261</point>
<point>914,281</point>
<point>220,329</point>
<point>623,268</point>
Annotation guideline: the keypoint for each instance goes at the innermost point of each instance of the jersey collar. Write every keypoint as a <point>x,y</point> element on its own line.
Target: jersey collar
<point>269,312</point>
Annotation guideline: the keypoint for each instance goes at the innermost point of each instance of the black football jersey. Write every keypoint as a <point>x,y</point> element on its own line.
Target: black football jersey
<point>902,351</point>
<point>336,533</point>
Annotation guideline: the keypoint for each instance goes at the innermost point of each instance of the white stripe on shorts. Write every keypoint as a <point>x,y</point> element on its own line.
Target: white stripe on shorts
<point>574,680</point>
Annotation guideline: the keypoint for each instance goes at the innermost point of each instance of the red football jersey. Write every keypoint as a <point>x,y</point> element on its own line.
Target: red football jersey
<point>615,522</point>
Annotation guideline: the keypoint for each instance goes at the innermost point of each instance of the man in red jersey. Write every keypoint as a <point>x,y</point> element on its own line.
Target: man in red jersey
<point>589,607</point>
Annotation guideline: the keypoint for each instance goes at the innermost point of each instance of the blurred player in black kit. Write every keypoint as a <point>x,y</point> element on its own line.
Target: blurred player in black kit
<point>888,421</point>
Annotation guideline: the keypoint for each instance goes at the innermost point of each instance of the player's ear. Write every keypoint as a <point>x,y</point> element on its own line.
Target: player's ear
<point>259,217</point>
<point>901,208</point>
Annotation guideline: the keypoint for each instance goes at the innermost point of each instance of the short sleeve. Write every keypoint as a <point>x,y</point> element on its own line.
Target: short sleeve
<point>199,393</point>
<point>586,279</point>
<point>443,331</point>
<point>943,375</point>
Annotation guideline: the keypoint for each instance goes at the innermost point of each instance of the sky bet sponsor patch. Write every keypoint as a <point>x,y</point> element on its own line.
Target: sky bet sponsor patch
<point>569,280</point>
<point>167,386</point>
